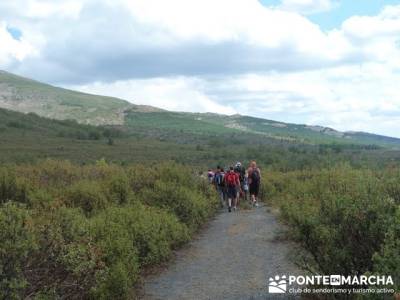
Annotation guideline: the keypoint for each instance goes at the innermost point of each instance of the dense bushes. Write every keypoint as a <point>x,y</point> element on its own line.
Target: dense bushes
<point>188,206</point>
<point>17,242</point>
<point>387,260</point>
<point>86,195</point>
<point>87,231</point>
<point>345,218</point>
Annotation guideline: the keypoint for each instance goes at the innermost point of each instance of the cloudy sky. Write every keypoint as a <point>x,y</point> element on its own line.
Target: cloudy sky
<point>329,62</point>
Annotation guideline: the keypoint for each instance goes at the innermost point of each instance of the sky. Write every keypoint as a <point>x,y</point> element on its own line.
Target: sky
<point>333,63</point>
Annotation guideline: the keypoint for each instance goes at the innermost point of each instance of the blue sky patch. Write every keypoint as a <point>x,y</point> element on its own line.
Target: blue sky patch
<point>345,9</point>
<point>15,32</point>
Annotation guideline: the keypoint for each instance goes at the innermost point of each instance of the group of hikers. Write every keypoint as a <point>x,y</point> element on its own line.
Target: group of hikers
<point>236,183</point>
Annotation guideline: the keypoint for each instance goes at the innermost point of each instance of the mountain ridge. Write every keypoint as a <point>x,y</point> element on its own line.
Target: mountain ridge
<point>30,96</point>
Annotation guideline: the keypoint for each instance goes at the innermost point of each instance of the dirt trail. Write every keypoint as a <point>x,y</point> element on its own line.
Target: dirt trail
<point>231,259</point>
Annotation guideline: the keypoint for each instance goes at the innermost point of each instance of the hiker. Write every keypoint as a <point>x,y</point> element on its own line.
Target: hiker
<point>210,176</point>
<point>219,182</point>
<point>245,186</point>
<point>240,170</point>
<point>232,185</point>
<point>254,178</point>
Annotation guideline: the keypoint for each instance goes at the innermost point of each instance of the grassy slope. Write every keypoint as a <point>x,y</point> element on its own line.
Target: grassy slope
<point>25,95</point>
<point>212,125</point>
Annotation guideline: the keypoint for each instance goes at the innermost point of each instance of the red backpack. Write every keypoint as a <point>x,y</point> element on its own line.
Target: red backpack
<point>231,179</point>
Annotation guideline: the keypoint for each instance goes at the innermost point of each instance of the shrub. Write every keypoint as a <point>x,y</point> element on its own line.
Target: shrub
<point>67,260</point>
<point>153,232</point>
<point>392,186</point>
<point>188,205</point>
<point>17,242</point>
<point>119,255</point>
<point>83,231</point>
<point>40,199</point>
<point>118,189</point>
<point>87,195</point>
<point>387,260</point>
<point>340,215</point>
<point>17,124</point>
<point>12,187</point>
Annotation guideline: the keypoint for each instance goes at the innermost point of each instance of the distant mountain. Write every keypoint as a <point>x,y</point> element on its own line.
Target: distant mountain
<point>26,95</point>
<point>209,124</point>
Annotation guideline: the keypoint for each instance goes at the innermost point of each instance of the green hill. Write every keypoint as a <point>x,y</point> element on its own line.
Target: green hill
<point>29,138</point>
<point>177,124</point>
<point>26,95</point>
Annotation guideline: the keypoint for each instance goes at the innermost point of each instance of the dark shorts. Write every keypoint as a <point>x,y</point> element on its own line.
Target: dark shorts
<point>254,189</point>
<point>221,190</point>
<point>231,191</point>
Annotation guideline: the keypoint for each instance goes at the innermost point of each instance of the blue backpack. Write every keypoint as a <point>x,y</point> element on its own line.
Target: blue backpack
<point>219,179</point>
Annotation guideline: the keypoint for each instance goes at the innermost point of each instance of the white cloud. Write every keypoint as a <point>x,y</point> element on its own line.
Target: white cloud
<point>345,98</point>
<point>242,21</point>
<point>362,98</point>
<point>308,6</point>
<point>177,94</point>
<point>158,38</point>
<point>12,49</point>
<point>377,36</point>
<point>39,9</point>
<point>386,24</point>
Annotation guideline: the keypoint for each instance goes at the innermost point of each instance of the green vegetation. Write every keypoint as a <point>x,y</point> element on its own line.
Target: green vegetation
<point>176,125</point>
<point>87,232</point>
<point>27,138</point>
<point>91,226</point>
<point>347,219</point>
<point>13,123</point>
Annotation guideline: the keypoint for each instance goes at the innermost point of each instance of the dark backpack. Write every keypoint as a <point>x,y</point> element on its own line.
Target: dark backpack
<point>242,173</point>
<point>255,176</point>
<point>231,179</point>
<point>219,179</point>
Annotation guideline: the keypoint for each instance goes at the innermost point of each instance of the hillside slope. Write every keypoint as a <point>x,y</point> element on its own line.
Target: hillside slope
<point>26,95</point>
<point>30,138</point>
<point>167,124</point>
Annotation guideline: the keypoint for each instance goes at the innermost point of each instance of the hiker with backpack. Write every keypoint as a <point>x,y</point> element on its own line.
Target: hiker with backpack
<point>254,178</point>
<point>241,171</point>
<point>245,186</point>
<point>232,183</point>
<point>219,182</point>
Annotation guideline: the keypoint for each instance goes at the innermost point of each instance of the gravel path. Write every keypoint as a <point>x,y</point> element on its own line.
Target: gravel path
<point>231,259</point>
